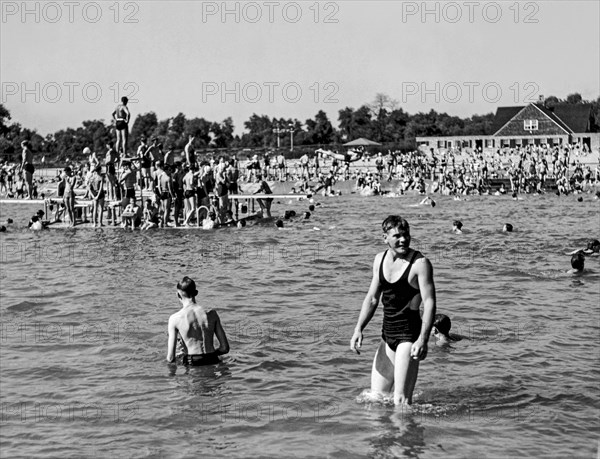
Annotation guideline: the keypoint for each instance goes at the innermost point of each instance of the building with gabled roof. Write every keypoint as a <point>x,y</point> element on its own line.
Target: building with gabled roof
<point>532,124</point>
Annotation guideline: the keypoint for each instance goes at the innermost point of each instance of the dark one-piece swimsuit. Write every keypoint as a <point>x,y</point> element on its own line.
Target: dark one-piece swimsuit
<point>400,323</point>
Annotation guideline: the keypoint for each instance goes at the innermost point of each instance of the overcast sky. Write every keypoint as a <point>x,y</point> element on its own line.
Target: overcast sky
<point>289,59</point>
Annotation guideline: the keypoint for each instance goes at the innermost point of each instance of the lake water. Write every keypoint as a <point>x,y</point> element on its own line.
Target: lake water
<point>84,318</point>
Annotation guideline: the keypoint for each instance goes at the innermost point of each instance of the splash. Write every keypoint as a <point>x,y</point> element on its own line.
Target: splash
<point>369,396</point>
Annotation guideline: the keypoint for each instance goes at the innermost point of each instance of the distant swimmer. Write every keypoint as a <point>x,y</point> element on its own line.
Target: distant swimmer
<point>593,247</point>
<point>577,264</point>
<point>427,200</point>
<point>402,278</point>
<point>507,228</point>
<point>457,227</point>
<point>121,116</point>
<point>197,326</point>
<point>36,222</point>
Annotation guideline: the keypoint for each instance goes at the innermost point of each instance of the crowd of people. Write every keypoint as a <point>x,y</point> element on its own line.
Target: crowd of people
<point>154,187</point>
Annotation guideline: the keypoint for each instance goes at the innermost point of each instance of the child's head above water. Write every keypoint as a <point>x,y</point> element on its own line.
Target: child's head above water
<point>442,324</point>
<point>578,261</point>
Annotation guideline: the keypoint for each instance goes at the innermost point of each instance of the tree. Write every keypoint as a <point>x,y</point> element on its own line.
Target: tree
<point>260,131</point>
<point>551,102</point>
<point>574,98</point>
<point>200,129</point>
<point>144,125</point>
<point>382,102</point>
<point>222,133</point>
<point>4,117</point>
<point>319,130</point>
<point>355,124</point>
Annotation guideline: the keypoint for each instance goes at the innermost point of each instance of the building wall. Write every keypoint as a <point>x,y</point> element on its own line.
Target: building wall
<point>515,127</point>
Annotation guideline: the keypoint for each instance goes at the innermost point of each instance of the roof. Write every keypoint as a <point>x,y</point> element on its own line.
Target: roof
<point>503,116</point>
<point>576,116</point>
<point>573,118</point>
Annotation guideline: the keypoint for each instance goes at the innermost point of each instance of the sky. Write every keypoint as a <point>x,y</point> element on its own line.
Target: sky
<point>68,61</point>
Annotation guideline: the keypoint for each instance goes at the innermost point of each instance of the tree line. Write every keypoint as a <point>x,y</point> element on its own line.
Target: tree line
<point>381,120</point>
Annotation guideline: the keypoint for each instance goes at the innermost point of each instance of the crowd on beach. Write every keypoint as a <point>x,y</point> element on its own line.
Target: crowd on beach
<point>157,188</point>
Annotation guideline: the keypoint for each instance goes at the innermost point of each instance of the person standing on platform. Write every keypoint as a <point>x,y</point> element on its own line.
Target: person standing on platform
<point>121,116</point>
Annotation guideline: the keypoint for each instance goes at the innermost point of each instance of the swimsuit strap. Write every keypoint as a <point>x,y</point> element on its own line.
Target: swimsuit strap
<point>381,278</point>
<point>404,274</point>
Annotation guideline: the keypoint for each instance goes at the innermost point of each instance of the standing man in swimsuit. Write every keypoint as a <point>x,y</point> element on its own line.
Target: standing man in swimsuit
<point>164,187</point>
<point>196,326</point>
<point>190,154</point>
<point>27,167</point>
<point>402,278</point>
<point>121,116</point>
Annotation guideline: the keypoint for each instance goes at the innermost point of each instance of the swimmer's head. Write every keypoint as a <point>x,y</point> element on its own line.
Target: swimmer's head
<point>507,228</point>
<point>279,224</point>
<point>2,229</point>
<point>579,199</point>
<point>593,245</point>
<point>306,215</point>
<point>457,224</point>
<point>432,203</point>
<point>395,221</point>
<point>578,261</point>
<point>442,324</point>
<point>311,208</point>
<point>241,223</point>
<point>187,288</point>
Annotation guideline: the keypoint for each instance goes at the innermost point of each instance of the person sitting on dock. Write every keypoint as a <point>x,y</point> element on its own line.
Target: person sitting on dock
<point>132,216</point>
<point>151,217</point>
<point>265,204</point>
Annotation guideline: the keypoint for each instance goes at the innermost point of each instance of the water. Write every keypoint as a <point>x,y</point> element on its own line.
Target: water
<point>84,318</point>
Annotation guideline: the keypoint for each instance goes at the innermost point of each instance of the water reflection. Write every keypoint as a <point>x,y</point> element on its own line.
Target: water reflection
<point>400,435</point>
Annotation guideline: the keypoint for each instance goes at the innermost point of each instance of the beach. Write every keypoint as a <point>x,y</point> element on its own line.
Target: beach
<point>84,316</point>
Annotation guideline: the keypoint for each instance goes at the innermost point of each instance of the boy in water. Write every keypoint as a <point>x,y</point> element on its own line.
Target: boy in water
<point>197,327</point>
<point>457,227</point>
<point>402,278</point>
<point>441,330</point>
<point>577,263</point>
